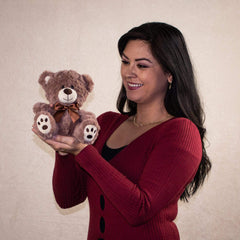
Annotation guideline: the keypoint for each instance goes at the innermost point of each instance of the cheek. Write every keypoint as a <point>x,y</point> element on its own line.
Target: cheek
<point>162,84</point>
<point>125,70</point>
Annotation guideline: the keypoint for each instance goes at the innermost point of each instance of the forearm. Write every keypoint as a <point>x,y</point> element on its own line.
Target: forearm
<point>69,181</point>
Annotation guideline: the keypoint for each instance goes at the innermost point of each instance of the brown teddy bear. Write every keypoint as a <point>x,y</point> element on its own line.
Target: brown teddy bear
<point>66,91</point>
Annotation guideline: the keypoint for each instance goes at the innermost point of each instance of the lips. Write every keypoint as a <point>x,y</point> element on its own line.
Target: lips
<point>134,86</point>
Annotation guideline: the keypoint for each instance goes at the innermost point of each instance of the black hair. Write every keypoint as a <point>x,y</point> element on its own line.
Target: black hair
<point>169,48</point>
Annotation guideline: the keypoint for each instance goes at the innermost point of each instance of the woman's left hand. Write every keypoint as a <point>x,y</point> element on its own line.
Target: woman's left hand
<point>64,144</point>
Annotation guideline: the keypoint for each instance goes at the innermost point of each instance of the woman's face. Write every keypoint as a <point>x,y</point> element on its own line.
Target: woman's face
<point>143,78</point>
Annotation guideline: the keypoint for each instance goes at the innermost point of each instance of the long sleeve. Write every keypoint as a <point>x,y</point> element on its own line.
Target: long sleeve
<point>171,165</point>
<point>69,181</point>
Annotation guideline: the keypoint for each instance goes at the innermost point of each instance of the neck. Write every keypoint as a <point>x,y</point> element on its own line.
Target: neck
<point>148,115</point>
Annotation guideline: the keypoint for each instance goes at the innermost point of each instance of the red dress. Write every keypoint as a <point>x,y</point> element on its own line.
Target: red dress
<point>135,194</point>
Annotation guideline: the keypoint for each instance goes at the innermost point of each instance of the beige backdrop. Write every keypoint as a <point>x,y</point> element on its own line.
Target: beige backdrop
<point>82,35</point>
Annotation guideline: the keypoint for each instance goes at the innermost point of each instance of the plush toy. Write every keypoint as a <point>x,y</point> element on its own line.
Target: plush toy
<point>66,91</point>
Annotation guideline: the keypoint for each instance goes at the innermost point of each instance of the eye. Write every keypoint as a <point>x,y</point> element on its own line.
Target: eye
<point>125,62</point>
<point>72,87</point>
<point>63,87</point>
<point>142,66</point>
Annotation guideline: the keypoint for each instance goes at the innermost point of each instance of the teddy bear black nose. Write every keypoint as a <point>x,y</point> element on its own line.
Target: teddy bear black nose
<point>67,91</point>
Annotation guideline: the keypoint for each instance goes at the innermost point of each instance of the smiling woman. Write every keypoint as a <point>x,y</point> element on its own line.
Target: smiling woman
<point>149,155</point>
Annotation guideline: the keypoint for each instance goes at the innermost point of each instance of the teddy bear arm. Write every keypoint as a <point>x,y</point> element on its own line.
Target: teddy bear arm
<point>41,107</point>
<point>86,115</point>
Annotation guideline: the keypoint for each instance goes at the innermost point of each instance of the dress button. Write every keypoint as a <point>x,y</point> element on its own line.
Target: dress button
<point>102,225</point>
<point>102,202</point>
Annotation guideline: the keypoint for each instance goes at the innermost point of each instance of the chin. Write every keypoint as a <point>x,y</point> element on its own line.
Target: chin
<point>137,101</point>
<point>133,99</point>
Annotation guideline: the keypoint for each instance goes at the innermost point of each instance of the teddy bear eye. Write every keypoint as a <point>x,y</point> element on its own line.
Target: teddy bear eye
<point>72,87</point>
<point>62,86</point>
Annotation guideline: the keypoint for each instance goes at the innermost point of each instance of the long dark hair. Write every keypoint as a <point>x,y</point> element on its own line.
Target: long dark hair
<point>168,46</point>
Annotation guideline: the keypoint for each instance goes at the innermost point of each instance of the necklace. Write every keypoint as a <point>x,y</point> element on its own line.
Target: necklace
<point>146,124</point>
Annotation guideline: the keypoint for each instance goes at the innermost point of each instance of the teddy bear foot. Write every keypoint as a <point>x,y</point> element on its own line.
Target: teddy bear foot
<point>89,133</point>
<point>45,125</point>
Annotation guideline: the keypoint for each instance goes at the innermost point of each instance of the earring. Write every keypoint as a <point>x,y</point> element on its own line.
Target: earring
<point>170,86</point>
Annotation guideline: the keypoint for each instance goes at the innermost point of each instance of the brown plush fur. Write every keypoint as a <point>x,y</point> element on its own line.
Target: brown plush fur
<point>62,87</point>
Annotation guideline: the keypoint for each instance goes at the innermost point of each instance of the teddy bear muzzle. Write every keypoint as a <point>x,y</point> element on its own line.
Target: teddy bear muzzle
<point>67,95</point>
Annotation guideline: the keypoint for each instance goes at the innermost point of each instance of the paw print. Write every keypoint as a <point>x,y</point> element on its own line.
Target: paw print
<point>89,133</point>
<point>43,124</point>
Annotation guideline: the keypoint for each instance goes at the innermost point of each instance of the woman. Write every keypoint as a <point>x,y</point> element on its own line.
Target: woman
<point>147,157</point>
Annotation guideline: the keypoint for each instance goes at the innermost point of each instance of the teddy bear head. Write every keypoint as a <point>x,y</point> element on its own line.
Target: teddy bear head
<point>66,87</point>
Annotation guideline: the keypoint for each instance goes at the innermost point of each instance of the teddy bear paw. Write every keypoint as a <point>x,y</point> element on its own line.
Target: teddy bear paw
<point>90,132</point>
<point>44,124</point>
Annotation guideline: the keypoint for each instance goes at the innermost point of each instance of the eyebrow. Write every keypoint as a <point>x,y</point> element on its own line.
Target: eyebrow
<point>138,59</point>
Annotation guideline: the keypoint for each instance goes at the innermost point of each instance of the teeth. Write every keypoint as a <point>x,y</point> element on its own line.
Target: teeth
<point>135,84</point>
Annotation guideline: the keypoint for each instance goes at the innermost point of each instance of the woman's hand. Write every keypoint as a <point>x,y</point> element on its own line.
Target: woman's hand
<point>64,144</point>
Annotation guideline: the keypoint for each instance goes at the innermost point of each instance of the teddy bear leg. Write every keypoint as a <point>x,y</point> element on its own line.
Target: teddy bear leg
<point>86,131</point>
<point>45,124</point>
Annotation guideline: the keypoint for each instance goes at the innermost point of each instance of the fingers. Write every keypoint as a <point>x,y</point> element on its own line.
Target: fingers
<point>50,142</point>
<point>57,146</point>
<point>65,139</point>
<point>65,144</point>
<point>62,143</point>
<point>62,139</point>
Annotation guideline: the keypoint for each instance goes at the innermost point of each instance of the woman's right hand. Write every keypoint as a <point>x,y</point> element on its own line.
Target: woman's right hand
<point>63,144</point>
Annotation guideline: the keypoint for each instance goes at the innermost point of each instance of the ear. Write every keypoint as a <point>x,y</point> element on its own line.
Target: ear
<point>88,82</point>
<point>169,78</point>
<point>44,78</point>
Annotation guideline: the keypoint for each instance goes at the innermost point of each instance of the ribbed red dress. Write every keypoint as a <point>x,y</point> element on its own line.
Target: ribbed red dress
<point>133,196</point>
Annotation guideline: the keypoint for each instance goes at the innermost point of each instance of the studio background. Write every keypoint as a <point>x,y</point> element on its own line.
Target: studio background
<point>82,35</point>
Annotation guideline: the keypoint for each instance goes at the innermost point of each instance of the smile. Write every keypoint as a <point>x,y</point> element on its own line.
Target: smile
<point>68,99</point>
<point>133,86</point>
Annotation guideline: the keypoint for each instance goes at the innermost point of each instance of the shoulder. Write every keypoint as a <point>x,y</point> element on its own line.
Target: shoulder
<point>178,136</point>
<point>180,132</point>
<point>179,126</point>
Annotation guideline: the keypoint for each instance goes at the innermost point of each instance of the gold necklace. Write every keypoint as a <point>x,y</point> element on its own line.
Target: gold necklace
<point>146,124</point>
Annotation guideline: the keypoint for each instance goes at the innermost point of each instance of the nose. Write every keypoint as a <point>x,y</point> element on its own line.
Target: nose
<point>131,71</point>
<point>67,91</point>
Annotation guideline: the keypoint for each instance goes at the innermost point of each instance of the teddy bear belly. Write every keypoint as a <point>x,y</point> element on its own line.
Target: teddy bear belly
<point>66,125</point>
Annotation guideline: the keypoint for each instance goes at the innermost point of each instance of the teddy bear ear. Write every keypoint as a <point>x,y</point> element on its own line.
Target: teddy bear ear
<point>88,82</point>
<point>44,78</point>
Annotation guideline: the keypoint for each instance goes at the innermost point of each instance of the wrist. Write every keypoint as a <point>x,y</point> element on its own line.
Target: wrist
<point>81,146</point>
